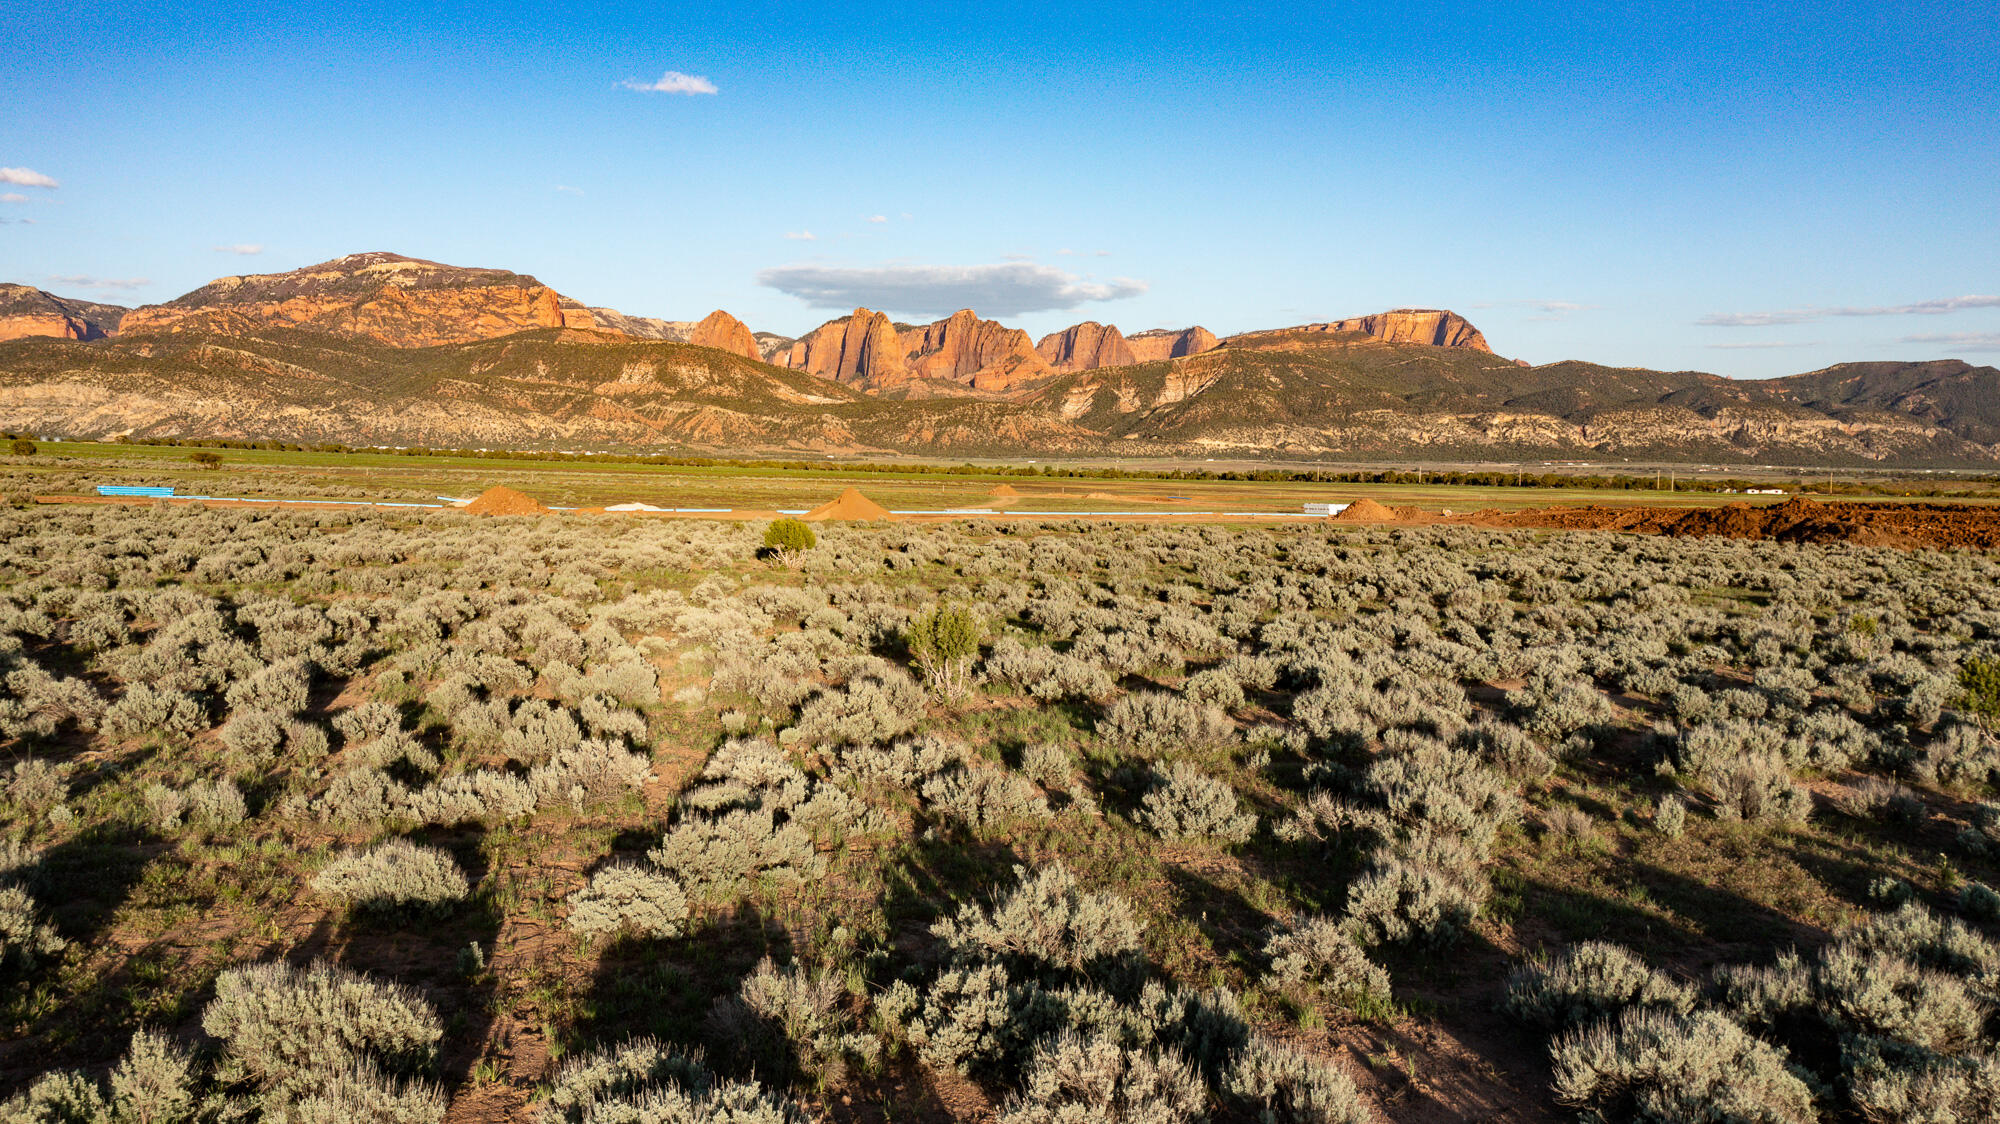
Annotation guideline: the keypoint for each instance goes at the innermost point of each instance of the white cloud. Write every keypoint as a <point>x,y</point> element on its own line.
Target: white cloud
<point>1960,341</point>
<point>13,197</point>
<point>26,177</point>
<point>1938,307</point>
<point>1760,345</point>
<point>244,248</point>
<point>568,190</point>
<point>86,281</point>
<point>802,236</point>
<point>1065,252</point>
<point>1008,289</point>
<point>878,218</point>
<point>672,82</point>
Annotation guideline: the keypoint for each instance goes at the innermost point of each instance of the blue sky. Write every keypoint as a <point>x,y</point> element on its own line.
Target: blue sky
<point>1754,189</point>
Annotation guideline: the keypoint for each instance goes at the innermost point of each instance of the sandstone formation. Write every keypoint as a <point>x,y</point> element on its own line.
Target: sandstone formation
<point>400,301</point>
<point>1086,347</point>
<point>27,311</point>
<point>1436,327</point>
<point>965,349</point>
<point>861,348</point>
<point>725,332</point>
<point>941,358</point>
<point>1166,343</point>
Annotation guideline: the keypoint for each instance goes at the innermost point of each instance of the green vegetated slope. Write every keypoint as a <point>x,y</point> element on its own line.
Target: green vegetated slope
<point>1307,394</point>
<point>1280,394</point>
<point>1949,393</point>
<point>350,816</point>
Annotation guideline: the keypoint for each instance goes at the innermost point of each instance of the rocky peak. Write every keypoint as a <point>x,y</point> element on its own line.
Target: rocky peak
<point>1086,347</point>
<point>1433,326</point>
<point>726,333</point>
<point>965,349</point>
<point>858,348</point>
<point>28,311</point>
<point>397,300</point>
<point>1171,343</point>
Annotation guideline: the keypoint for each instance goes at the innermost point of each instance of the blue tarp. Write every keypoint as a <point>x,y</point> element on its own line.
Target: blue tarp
<point>132,490</point>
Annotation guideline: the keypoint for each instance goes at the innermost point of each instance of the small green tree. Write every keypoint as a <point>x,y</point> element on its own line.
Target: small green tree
<point>1980,680</point>
<point>790,537</point>
<point>204,458</point>
<point>24,447</point>
<point>943,644</point>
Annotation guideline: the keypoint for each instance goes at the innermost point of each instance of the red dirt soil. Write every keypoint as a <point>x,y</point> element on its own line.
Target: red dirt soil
<point>505,501</point>
<point>1795,520</point>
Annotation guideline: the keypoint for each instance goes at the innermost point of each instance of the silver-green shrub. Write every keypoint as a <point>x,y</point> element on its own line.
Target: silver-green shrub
<point>807,1011</point>
<point>1661,1067</point>
<point>1074,1079</point>
<point>630,898</point>
<point>286,1031</point>
<point>391,875</point>
<point>1186,803</point>
<point>1047,920</point>
<point>1590,981</point>
<point>1321,953</point>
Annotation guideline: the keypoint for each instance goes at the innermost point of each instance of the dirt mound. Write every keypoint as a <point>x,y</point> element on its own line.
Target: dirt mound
<point>1366,511</point>
<point>1101,496</point>
<point>850,504</point>
<point>505,501</point>
<point>1004,492</point>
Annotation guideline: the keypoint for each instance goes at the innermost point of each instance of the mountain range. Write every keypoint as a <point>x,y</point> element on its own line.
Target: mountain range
<point>382,349</point>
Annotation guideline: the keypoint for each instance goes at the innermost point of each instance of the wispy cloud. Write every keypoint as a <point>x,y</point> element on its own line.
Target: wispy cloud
<point>878,218</point>
<point>1007,289</point>
<point>13,197</point>
<point>568,190</point>
<point>1547,309</point>
<point>672,82</point>
<point>26,177</point>
<point>1961,341</point>
<point>86,281</point>
<point>1940,307</point>
<point>244,248</point>
<point>1760,345</point>
<point>802,236</point>
<point>1756,319</point>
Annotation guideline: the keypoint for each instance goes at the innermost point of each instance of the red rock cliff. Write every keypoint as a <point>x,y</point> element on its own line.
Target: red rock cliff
<point>403,302</point>
<point>1086,347</point>
<point>1436,327</point>
<point>965,349</point>
<point>1166,343</point>
<point>726,332</point>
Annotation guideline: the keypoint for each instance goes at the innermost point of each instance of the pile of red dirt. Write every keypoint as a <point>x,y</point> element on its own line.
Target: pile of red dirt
<point>505,501</point>
<point>1366,511</point>
<point>1004,492</point>
<point>850,504</point>
<point>1795,520</point>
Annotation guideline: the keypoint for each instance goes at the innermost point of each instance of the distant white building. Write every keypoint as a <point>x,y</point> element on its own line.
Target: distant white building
<point>1763,491</point>
<point>1325,508</point>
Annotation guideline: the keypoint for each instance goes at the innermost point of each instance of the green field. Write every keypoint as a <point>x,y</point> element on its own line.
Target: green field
<point>77,467</point>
